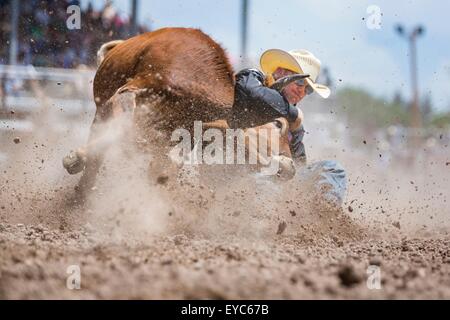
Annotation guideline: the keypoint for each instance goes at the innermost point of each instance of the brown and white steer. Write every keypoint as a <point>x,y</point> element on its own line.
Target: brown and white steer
<point>161,81</point>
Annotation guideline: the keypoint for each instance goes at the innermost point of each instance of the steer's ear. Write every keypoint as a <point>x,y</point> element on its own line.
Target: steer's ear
<point>295,125</point>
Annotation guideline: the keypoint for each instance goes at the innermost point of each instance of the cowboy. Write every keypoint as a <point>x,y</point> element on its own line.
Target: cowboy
<point>261,97</point>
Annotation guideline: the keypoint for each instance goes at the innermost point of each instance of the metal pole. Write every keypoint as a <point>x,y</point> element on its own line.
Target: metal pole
<point>416,117</point>
<point>13,42</point>
<point>244,20</point>
<point>134,27</point>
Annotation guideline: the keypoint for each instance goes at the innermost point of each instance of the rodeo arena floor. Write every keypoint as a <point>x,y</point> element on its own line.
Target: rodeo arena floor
<point>143,237</point>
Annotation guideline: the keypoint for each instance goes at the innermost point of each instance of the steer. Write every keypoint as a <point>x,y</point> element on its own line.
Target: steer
<point>158,82</point>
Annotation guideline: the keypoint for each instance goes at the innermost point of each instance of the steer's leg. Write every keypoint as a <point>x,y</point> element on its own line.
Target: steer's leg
<point>90,158</point>
<point>104,134</point>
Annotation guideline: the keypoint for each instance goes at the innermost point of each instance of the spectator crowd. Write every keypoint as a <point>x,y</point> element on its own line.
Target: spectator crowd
<point>45,40</point>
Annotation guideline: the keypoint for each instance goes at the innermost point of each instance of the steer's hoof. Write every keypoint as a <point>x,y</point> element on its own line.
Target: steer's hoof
<point>74,162</point>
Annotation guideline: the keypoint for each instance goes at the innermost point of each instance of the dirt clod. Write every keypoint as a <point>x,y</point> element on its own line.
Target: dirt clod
<point>281,227</point>
<point>162,179</point>
<point>348,276</point>
<point>396,224</point>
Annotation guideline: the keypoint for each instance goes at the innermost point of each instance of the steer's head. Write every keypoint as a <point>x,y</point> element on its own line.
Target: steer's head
<point>269,144</point>
<point>264,147</point>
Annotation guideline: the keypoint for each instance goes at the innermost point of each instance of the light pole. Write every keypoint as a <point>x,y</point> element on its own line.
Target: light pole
<point>244,25</point>
<point>416,116</point>
<point>134,26</point>
<point>13,41</point>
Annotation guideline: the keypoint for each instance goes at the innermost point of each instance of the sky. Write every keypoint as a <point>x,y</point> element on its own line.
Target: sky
<point>336,32</point>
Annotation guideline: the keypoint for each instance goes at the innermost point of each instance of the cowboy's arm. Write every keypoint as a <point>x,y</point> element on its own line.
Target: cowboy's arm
<point>250,82</point>
<point>297,146</point>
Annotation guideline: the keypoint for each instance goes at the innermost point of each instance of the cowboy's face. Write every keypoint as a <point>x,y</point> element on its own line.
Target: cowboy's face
<point>295,91</point>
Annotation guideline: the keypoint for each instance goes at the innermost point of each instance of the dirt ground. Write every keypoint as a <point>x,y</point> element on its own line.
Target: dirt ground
<point>232,238</point>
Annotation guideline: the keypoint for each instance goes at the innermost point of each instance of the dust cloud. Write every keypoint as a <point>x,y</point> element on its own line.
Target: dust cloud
<point>215,232</point>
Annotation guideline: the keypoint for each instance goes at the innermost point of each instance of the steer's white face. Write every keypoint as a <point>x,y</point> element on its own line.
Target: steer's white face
<point>268,145</point>
<point>276,160</point>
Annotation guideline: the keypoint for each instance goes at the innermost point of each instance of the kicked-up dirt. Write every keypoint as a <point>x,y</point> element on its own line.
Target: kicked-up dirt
<point>225,237</point>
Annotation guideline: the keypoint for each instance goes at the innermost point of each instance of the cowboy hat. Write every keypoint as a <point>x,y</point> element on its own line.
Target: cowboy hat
<point>300,61</point>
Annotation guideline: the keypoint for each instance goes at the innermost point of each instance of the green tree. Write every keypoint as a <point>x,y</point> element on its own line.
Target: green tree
<point>363,108</point>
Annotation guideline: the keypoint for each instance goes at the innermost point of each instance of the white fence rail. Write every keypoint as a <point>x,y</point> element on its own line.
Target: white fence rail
<point>25,90</point>
<point>43,101</point>
<point>40,73</point>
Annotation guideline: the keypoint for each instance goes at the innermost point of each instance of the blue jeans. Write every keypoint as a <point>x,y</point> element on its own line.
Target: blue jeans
<point>328,178</point>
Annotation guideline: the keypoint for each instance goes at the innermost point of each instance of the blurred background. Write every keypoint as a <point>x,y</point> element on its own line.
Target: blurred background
<point>387,63</point>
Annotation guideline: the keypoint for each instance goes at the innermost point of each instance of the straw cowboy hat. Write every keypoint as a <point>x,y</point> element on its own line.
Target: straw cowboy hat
<point>300,61</point>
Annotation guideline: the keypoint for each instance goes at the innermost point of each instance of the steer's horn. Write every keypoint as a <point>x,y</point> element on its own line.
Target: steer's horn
<point>105,48</point>
<point>295,125</point>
